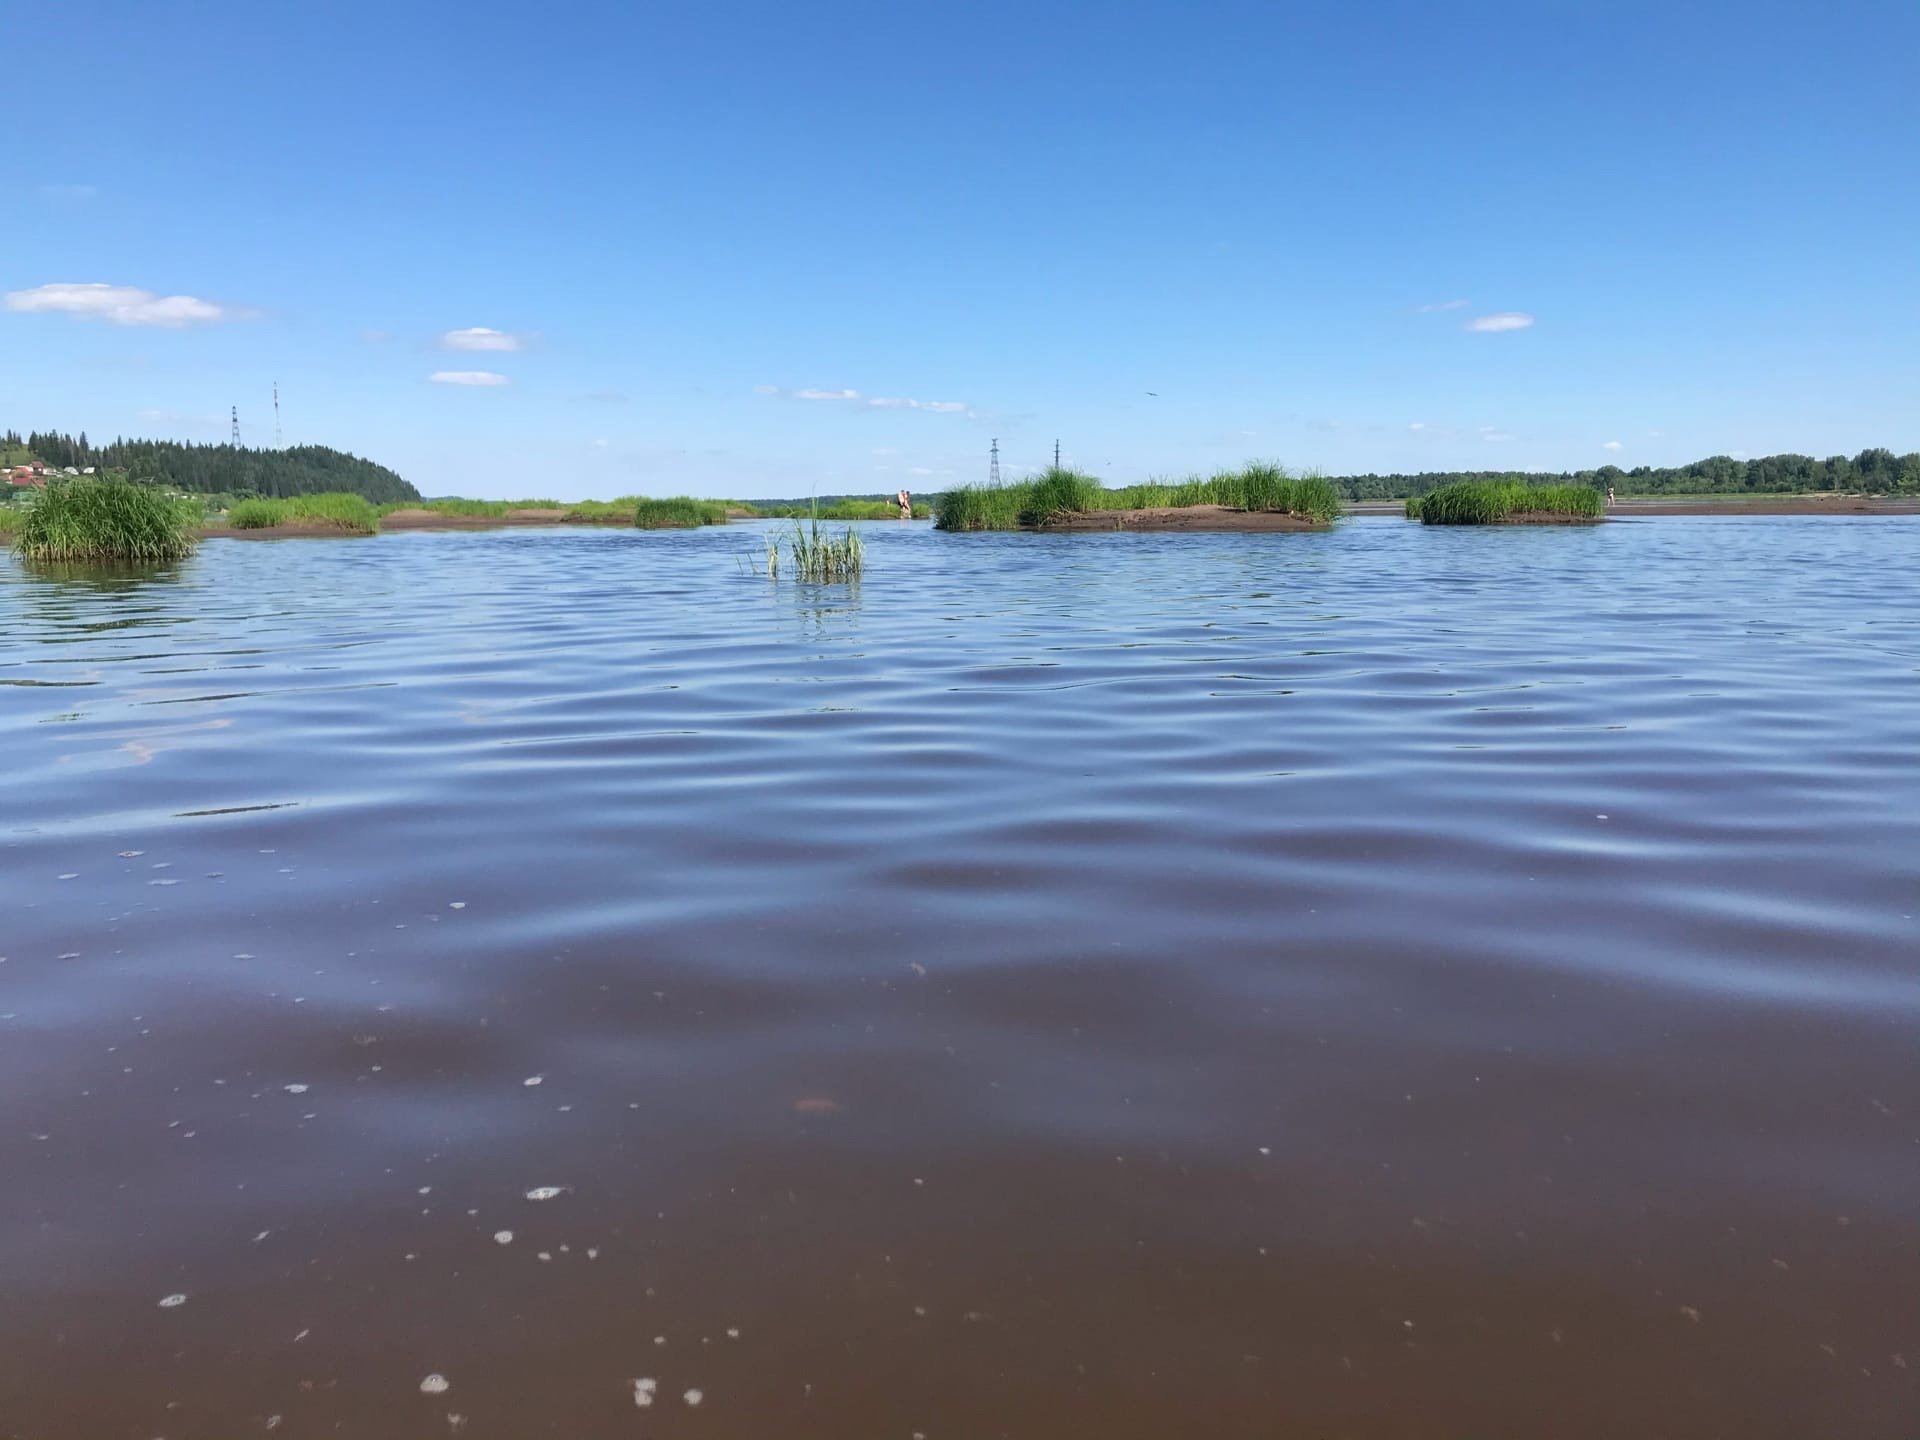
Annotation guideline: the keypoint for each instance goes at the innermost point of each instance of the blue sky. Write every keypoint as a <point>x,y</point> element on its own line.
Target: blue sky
<point>717,247</point>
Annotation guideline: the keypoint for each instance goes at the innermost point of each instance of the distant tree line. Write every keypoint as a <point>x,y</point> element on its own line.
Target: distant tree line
<point>1873,472</point>
<point>221,469</point>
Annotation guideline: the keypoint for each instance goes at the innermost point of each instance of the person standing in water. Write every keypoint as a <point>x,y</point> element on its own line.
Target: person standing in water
<point>906,505</point>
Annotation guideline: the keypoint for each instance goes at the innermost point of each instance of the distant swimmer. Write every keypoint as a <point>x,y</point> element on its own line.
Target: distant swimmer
<point>906,505</point>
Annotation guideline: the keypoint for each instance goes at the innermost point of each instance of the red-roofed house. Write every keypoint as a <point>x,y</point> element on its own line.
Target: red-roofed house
<point>24,475</point>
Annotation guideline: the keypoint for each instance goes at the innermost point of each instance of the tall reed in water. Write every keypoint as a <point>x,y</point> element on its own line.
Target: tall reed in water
<point>88,519</point>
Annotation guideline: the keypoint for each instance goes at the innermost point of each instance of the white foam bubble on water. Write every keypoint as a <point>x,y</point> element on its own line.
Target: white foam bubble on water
<point>694,1397</point>
<point>171,1302</point>
<point>533,1080</point>
<point>294,1089</point>
<point>503,1237</point>
<point>545,1192</point>
<point>435,1385</point>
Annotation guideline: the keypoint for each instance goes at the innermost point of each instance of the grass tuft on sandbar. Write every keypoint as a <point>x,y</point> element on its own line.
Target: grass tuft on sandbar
<point>1479,502</point>
<point>1026,504</point>
<point>679,512</point>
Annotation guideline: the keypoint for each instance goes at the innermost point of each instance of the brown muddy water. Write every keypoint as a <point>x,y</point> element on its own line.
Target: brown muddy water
<point>1391,983</point>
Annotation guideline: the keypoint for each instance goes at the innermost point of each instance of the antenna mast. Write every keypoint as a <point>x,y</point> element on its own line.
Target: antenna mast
<point>1056,454</point>
<point>278,444</point>
<point>993,474</point>
<point>236,427</point>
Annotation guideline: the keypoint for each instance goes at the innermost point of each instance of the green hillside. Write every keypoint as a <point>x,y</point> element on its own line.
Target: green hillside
<point>218,469</point>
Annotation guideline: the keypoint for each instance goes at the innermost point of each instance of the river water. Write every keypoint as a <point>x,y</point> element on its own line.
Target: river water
<point>1392,983</point>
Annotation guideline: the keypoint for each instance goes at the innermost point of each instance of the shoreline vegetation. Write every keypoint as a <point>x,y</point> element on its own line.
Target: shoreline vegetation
<point>110,517</point>
<point>1475,502</point>
<point>1062,499</point>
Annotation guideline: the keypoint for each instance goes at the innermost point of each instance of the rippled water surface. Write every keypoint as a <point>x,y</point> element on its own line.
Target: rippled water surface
<point>1389,983</point>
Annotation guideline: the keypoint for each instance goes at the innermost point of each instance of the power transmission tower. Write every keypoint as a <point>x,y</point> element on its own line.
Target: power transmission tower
<point>993,475</point>
<point>278,443</point>
<point>236,427</point>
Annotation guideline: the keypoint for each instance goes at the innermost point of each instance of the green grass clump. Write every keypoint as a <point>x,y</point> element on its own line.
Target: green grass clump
<point>10,516</point>
<point>1061,492</point>
<point>816,554</point>
<point>87,519</point>
<point>256,514</point>
<point>851,510</point>
<point>339,509</point>
<point>477,509</point>
<point>678,513</point>
<point>1413,507</point>
<point>1477,502</point>
<point>1258,487</point>
<point>981,507</point>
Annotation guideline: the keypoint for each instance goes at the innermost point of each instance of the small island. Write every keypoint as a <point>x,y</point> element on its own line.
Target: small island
<point>1256,497</point>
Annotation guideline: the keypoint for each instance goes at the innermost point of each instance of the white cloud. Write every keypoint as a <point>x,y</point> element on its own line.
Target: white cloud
<point>920,470</point>
<point>1611,445</point>
<point>1504,320</point>
<point>468,377</point>
<point>886,450</point>
<point>599,444</point>
<point>479,337</point>
<point>70,192</point>
<point>870,402</point>
<point>1440,305</point>
<point>119,305</point>
<point>1488,432</point>
<point>1418,425</point>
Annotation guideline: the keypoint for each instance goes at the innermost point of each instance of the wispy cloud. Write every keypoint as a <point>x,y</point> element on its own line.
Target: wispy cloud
<point>869,402</point>
<point>1503,320</point>
<point>120,305</point>
<point>1440,305</point>
<point>1611,445</point>
<point>608,397</point>
<point>375,337</point>
<point>479,337</point>
<point>468,377</point>
<point>70,193</point>
<point>1494,433</point>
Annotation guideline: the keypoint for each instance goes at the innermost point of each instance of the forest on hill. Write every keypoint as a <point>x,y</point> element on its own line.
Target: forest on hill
<point>1871,472</point>
<point>220,469</point>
